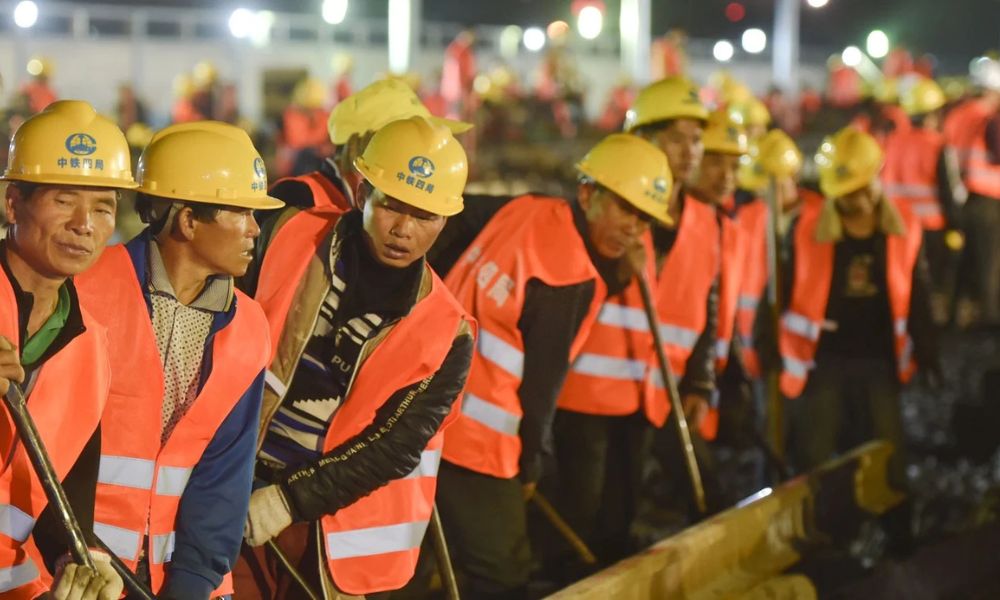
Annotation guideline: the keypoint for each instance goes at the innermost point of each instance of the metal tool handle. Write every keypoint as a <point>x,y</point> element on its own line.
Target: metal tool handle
<point>775,406</point>
<point>443,558</point>
<point>296,575</point>
<point>670,384</point>
<point>42,464</point>
<point>563,527</point>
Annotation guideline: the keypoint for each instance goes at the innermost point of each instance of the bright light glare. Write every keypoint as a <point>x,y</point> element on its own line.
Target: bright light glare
<point>817,3</point>
<point>26,14</point>
<point>35,67</point>
<point>400,29</point>
<point>534,39</point>
<point>589,22</point>
<point>510,41</point>
<point>754,41</point>
<point>557,29</point>
<point>722,51</point>
<point>851,56</point>
<point>334,11</point>
<point>241,23</point>
<point>877,44</point>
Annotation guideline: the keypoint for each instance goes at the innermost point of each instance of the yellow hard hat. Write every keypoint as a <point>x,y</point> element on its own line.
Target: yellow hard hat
<point>886,90</point>
<point>378,104</point>
<point>204,74</point>
<point>138,135</point>
<point>751,112</point>
<point>847,161</point>
<point>68,143</point>
<point>309,93</point>
<point>205,161</point>
<point>922,97</point>
<point>183,86</point>
<point>634,169</point>
<point>724,135</point>
<point>734,91</point>
<point>774,155</point>
<point>417,161</point>
<point>40,66</point>
<point>670,98</point>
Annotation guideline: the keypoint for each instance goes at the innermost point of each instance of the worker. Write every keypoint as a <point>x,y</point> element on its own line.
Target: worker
<point>922,175</point>
<point>371,353</point>
<point>458,73</point>
<point>343,69</point>
<point>669,114</point>
<point>179,431</point>
<point>183,109</point>
<point>857,323</point>
<point>304,141</point>
<point>351,125</point>
<point>774,161</point>
<point>66,167</point>
<point>38,91</point>
<point>754,116</point>
<point>535,276</point>
<point>967,129</point>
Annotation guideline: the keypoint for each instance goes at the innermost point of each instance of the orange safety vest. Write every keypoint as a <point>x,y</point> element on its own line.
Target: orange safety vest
<point>685,281</point>
<point>532,237</point>
<point>65,396</point>
<point>611,375</point>
<point>965,131</point>
<point>139,482</point>
<point>372,545</point>
<point>733,249</point>
<point>909,176</point>
<point>752,220</point>
<point>802,323</point>
<point>324,193</point>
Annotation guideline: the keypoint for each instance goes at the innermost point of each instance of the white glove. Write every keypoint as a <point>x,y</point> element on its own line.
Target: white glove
<point>269,515</point>
<point>77,582</point>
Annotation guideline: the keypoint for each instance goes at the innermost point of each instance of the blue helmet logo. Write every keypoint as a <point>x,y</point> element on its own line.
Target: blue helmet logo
<point>660,185</point>
<point>258,167</point>
<point>81,144</point>
<point>421,166</point>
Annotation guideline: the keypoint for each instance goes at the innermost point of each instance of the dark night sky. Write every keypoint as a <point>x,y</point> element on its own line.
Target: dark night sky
<point>958,29</point>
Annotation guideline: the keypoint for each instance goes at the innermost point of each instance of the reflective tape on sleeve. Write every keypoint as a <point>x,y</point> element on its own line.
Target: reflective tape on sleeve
<point>801,325</point>
<point>428,467</point>
<point>14,577</point>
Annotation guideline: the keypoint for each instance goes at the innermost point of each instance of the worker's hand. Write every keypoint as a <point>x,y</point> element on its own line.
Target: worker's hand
<point>695,409</point>
<point>954,240</point>
<point>269,515</point>
<point>77,582</point>
<point>10,365</point>
<point>635,259</point>
<point>528,489</point>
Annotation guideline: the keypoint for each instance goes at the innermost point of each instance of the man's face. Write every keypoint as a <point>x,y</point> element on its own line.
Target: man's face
<point>717,177</point>
<point>398,234</point>
<point>60,231</point>
<point>614,224</point>
<point>681,142</point>
<point>859,203</point>
<point>225,244</point>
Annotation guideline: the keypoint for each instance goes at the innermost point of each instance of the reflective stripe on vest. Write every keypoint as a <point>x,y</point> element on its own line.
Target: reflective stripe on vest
<point>795,367</point>
<point>490,415</point>
<point>596,365</point>
<point>430,460</point>
<point>14,577</point>
<point>126,471</point>
<point>500,353</point>
<point>374,540</point>
<point>15,523</point>
<point>125,543</point>
<point>679,336</point>
<point>801,325</point>
<point>163,547</point>
<point>748,302</point>
<point>626,317</point>
<point>912,190</point>
<point>171,481</point>
<point>721,348</point>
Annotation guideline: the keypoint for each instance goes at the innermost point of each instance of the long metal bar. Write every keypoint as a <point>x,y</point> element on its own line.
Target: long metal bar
<point>448,580</point>
<point>670,383</point>
<point>296,575</point>
<point>564,529</point>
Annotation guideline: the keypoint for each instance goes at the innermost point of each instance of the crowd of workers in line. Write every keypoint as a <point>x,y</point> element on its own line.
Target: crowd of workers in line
<point>288,377</point>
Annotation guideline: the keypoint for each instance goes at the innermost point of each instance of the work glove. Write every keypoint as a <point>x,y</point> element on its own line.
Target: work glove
<point>269,515</point>
<point>77,582</point>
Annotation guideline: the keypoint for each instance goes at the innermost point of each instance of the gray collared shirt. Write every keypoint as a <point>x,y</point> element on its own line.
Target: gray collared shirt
<point>181,331</point>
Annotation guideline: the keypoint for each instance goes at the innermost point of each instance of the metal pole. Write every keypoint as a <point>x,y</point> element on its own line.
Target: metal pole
<point>775,406</point>
<point>675,398</point>
<point>564,529</point>
<point>634,28</point>
<point>448,580</point>
<point>287,564</point>
<point>785,58</point>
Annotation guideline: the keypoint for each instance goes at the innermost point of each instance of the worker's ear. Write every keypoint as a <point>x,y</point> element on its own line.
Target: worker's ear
<point>585,195</point>
<point>361,192</point>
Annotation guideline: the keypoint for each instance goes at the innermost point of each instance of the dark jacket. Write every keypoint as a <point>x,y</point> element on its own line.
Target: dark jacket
<point>323,486</point>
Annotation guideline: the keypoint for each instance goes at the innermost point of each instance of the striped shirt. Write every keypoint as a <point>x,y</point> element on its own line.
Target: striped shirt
<point>326,369</point>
